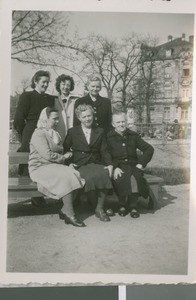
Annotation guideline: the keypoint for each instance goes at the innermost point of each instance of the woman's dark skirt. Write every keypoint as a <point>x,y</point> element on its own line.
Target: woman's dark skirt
<point>122,185</point>
<point>96,177</point>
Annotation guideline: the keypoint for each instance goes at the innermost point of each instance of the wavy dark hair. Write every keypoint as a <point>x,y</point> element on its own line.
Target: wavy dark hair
<point>37,75</point>
<point>64,77</point>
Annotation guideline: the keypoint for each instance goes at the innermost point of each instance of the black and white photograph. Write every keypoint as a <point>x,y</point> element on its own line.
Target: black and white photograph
<point>98,153</point>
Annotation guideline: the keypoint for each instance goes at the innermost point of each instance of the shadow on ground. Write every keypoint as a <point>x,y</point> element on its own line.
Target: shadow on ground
<point>83,208</point>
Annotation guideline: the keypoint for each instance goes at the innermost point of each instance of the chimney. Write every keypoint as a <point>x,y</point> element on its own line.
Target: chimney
<point>191,39</point>
<point>183,37</point>
<point>169,38</point>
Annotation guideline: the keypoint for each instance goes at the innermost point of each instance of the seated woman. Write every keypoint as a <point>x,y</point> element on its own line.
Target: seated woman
<point>91,158</point>
<point>128,179</point>
<point>47,165</point>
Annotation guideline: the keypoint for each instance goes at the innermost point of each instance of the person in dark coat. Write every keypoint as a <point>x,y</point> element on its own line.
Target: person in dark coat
<point>101,105</point>
<point>128,177</point>
<point>91,158</point>
<point>29,107</point>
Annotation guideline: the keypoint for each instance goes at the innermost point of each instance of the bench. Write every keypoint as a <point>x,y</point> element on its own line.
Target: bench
<point>23,187</point>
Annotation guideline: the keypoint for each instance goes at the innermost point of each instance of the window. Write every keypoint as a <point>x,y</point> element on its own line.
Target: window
<point>184,114</point>
<point>168,53</point>
<point>167,93</point>
<point>186,72</point>
<point>167,113</point>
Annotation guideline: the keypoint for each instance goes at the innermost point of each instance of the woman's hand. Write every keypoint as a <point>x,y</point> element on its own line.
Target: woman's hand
<point>110,170</point>
<point>68,155</point>
<point>139,166</point>
<point>73,166</point>
<point>117,173</point>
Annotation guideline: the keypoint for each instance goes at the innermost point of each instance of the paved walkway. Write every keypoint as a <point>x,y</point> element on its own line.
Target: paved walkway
<point>155,243</point>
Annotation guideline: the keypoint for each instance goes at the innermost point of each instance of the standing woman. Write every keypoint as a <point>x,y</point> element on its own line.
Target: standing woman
<point>101,105</point>
<point>29,107</point>
<point>65,103</point>
<point>47,166</point>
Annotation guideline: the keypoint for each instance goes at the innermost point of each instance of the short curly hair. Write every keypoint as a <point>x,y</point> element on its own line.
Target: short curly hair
<point>64,77</point>
<point>37,75</point>
<point>93,77</point>
<point>81,108</point>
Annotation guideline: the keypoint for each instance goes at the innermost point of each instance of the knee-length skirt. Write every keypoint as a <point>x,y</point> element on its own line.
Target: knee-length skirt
<point>96,177</point>
<point>131,181</point>
<point>56,181</point>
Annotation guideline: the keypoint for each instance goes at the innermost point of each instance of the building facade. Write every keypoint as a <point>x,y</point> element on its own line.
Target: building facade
<point>171,65</point>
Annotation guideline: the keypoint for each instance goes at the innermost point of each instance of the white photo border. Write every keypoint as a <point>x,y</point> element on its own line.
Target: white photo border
<point>148,6</point>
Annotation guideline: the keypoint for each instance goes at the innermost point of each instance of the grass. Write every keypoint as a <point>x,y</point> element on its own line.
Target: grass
<point>172,163</point>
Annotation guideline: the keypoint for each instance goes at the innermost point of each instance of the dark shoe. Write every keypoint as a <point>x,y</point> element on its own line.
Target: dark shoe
<point>102,216</point>
<point>71,220</point>
<point>134,213</point>
<point>61,215</point>
<point>110,212</point>
<point>38,202</point>
<point>122,211</point>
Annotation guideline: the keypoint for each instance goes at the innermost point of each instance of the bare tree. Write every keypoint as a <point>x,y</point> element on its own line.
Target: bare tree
<point>115,61</point>
<point>147,81</point>
<point>38,38</point>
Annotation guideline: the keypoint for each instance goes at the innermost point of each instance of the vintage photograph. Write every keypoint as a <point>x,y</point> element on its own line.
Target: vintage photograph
<point>97,129</point>
<point>99,142</point>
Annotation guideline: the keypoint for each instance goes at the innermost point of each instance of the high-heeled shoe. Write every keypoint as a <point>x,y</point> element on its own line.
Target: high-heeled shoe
<point>71,220</point>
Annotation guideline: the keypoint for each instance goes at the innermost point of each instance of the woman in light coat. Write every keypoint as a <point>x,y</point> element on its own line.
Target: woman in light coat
<point>47,166</point>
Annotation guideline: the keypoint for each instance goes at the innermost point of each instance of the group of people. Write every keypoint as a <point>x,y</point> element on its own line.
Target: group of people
<point>80,144</point>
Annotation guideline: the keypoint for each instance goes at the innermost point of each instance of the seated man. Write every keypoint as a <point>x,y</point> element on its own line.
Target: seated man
<point>91,158</point>
<point>128,179</point>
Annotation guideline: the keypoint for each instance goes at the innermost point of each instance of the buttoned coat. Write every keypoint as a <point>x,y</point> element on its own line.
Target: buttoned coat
<point>27,114</point>
<point>102,108</point>
<point>84,153</point>
<point>123,150</point>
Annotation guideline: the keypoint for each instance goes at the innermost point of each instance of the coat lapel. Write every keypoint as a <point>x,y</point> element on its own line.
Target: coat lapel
<point>81,136</point>
<point>94,135</point>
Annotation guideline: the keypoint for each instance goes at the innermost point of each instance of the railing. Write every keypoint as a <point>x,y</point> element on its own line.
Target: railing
<point>163,132</point>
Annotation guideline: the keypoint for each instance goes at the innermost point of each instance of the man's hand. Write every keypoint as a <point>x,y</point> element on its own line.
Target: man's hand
<point>68,155</point>
<point>110,170</point>
<point>117,173</point>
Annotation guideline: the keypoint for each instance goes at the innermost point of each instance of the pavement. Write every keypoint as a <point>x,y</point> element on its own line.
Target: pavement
<point>155,243</point>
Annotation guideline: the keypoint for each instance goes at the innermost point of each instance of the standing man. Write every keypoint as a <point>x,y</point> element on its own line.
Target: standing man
<point>101,105</point>
<point>65,103</point>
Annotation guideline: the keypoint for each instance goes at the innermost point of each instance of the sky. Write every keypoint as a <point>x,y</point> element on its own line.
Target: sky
<point>114,25</point>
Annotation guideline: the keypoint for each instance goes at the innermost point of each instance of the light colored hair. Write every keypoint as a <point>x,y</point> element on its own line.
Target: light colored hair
<point>93,77</point>
<point>118,113</point>
<point>83,107</point>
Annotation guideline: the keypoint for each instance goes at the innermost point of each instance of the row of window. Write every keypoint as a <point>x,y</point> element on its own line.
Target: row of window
<point>184,113</point>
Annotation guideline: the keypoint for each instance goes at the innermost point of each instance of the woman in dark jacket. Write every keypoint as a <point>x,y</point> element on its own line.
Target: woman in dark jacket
<point>128,179</point>
<point>29,107</point>
<point>101,105</point>
<point>91,158</point>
